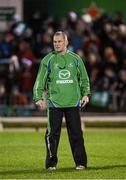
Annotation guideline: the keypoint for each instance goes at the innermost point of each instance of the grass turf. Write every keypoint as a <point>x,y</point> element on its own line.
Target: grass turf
<point>22,156</point>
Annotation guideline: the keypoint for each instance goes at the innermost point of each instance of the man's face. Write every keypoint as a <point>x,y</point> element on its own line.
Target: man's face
<point>59,43</point>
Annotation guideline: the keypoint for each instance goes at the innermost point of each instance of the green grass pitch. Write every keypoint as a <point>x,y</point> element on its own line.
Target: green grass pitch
<point>22,156</point>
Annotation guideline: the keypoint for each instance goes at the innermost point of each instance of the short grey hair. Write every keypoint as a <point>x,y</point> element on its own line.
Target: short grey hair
<point>57,33</point>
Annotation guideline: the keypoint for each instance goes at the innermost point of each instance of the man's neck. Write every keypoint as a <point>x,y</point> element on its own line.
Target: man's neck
<point>63,52</point>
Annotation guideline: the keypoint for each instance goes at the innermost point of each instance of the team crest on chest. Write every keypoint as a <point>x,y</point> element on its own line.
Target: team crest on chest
<point>56,66</point>
<point>70,65</point>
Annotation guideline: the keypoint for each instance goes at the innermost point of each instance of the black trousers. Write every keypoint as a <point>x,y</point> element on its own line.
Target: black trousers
<point>52,136</point>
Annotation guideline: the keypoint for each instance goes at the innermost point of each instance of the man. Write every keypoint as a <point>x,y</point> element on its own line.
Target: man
<point>64,74</point>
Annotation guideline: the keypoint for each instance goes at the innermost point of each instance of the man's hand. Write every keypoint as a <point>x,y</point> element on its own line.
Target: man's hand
<point>41,104</point>
<point>84,101</point>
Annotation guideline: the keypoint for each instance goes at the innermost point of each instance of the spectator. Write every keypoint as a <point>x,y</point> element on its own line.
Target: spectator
<point>6,46</point>
<point>18,98</point>
<point>3,97</point>
<point>25,53</point>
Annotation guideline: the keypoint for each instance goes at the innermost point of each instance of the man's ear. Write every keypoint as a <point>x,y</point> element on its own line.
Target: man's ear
<point>66,43</point>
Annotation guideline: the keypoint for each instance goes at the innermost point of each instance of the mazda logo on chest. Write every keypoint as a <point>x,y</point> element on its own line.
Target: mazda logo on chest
<point>64,74</point>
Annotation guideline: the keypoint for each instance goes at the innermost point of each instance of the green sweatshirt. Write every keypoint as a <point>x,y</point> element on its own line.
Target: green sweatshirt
<point>65,78</point>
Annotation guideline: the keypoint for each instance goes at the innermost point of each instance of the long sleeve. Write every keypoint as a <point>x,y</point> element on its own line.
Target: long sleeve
<point>84,79</point>
<point>39,85</point>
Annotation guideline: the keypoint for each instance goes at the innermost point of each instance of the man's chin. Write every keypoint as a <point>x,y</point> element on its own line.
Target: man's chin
<point>58,51</point>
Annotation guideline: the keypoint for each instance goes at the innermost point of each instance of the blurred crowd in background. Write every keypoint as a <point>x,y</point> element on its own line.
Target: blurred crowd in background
<point>101,43</point>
